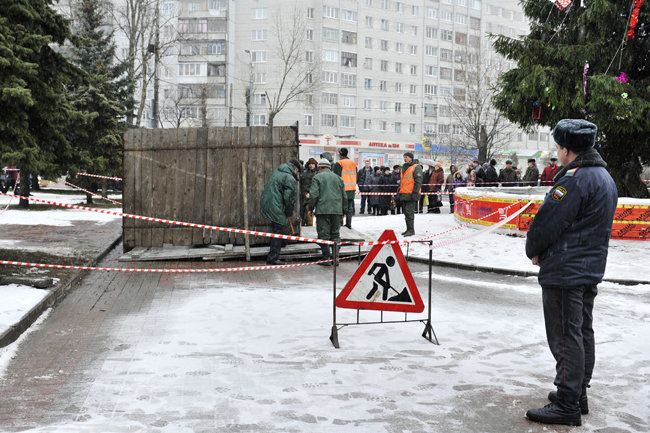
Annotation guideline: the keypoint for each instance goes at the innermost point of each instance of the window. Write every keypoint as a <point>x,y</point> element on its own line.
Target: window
<point>430,50</point>
<point>446,35</point>
<point>414,70</point>
<point>259,77</point>
<point>445,91</point>
<point>399,7</point>
<point>461,38</point>
<point>259,99</point>
<point>367,83</point>
<point>329,98</point>
<point>456,129</point>
<point>474,41</point>
<point>429,128</point>
<point>398,107</point>
<point>189,69</point>
<point>383,66</point>
<point>330,55</point>
<point>258,35</point>
<point>330,12</point>
<point>444,129</point>
<point>384,45</point>
<point>430,110</point>
<point>367,104</point>
<point>260,13</point>
<point>475,4</point>
<point>430,90</point>
<point>192,26</point>
<point>310,12</point>
<point>415,11</point>
<point>445,111</point>
<point>446,55</point>
<point>413,49</point>
<point>330,34</point>
<point>216,25</point>
<point>383,125</point>
<point>461,3</point>
<point>309,120</point>
<point>461,19</point>
<point>309,34</point>
<point>328,120</point>
<point>347,15</point>
<point>459,93</point>
<point>411,128</point>
<point>398,68</point>
<point>348,37</point>
<point>459,56</point>
<point>367,124</point>
<point>369,22</point>
<point>398,87</point>
<point>309,98</point>
<point>446,16</point>
<point>369,3</point>
<point>348,101</point>
<point>309,56</point>
<point>398,127</point>
<point>431,32</point>
<point>217,47</point>
<point>329,77</point>
<point>432,13</point>
<point>474,23</point>
<point>384,25</point>
<point>414,30</point>
<point>193,7</point>
<point>258,56</point>
<point>385,4</point>
<point>349,59</point>
<point>368,43</point>
<point>367,63</point>
<point>399,27</point>
<point>259,119</point>
<point>347,121</point>
<point>189,112</point>
<point>382,85</point>
<point>412,108</point>
<point>348,80</point>
<point>432,71</point>
<point>190,50</point>
<point>383,105</point>
<point>399,47</point>
<point>168,9</point>
<point>445,73</point>
<point>220,5</point>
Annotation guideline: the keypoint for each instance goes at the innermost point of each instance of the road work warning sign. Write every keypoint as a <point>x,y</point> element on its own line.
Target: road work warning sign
<point>383,281</point>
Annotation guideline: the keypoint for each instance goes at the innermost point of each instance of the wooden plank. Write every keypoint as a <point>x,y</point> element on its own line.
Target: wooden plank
<point>179,185</point>
<point>211,174</point>
<point>168,170</point>
<point>189,175</point>
<point>198,194</point>
<point>158,182</point>
<point>128,191</point>
<point>137,203</point>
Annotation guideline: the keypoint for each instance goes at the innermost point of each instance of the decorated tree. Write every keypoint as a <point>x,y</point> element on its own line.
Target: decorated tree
<point>34,80</point>
<point>586,61</point>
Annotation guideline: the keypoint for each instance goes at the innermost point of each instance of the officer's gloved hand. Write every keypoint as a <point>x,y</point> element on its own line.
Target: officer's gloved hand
<point>414,196</point>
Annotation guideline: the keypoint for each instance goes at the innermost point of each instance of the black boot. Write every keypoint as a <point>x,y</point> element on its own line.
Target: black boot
<point>558,412</point>
<point>584,403</point>
<point>409,229</point>
<point>348,221</point>
<point>325,249</point>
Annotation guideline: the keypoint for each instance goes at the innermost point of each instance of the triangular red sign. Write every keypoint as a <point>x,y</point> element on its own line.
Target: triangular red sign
<point>380,285</point>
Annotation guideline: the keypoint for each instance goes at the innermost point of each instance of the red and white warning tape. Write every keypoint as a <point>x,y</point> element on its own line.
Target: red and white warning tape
<point>98,176</point>
<point>92,193</point>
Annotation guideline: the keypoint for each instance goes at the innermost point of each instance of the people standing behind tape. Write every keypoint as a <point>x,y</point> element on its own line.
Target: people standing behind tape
<point>363,181</point>
<point>306,177</point>
<point>397,176</point>
<point>437,180</point>
<point>328,200</point>
<point>471,176</point>
<point>480,174</point>
<point>549,173</point>
<point>409,189</point>
<point>491,175</point>
<point>11,178</point>
<point>449,187</point>
<point>424,197</point>
<point>347,169</point>
<point>385,182</point>
<point>277,203</point>
<point>375,179</point>
<point>532,174</point>
<point>508,175</point>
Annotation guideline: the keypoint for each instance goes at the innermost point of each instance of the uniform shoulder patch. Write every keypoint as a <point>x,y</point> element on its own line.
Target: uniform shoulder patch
<point>571,172</point>
<point>559,193</point>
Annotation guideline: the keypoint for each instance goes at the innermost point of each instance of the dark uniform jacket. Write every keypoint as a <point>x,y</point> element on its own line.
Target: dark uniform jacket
<point>417,178</point>
<point>327,194</point>
<point>571,230</point>
<point>279,195</point>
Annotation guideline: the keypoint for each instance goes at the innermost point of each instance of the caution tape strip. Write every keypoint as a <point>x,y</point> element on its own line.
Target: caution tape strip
<point>92,193</point>
<point>99,176</point>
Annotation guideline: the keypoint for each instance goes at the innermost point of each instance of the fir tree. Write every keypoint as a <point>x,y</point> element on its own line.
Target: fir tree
<point>36,111</point>
<point>549,75</point>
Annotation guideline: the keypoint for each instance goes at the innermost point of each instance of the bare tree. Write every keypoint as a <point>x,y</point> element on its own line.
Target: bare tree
<point>482,127</point>
<point>181,104</point>
<point>297,75</point>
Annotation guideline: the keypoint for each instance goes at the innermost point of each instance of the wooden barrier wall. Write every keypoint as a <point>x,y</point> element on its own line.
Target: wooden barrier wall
<point>195,175</point>
<point>631,221</point>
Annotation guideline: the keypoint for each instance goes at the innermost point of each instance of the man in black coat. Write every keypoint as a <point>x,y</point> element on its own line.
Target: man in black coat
<point>568,240</point>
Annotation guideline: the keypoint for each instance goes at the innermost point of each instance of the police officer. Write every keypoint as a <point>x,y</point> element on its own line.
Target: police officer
<point>409,188</point>
<point>347,169</point>
<point>327,197</point>
<point>568,240</point>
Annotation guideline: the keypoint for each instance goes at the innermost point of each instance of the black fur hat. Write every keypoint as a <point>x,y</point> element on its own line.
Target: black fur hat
<point>575,134</point>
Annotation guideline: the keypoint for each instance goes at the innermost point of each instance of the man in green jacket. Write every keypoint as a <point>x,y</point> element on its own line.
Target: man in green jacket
<point>409,189</point>
<point>277,203</point>
<point>328,199</point>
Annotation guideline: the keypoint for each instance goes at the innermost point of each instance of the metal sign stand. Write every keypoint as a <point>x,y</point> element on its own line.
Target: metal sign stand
<point>428,333</point>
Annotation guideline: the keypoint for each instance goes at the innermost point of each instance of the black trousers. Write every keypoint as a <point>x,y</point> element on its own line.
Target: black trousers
<point>568,314</point>
<point>276,244</point>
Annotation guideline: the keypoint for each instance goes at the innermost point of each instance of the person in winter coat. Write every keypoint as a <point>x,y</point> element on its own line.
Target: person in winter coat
<point>426,180</point>
<point>327,199</point>
<point>437,179</point>
<point>532,174</point>
<point>569,240</point>
<point>363,181</point>
<point>491,175</point>
<point>347,169</point>
<point>449,188</point>
<point>508,175</point>
<point>471,176</point>
<point>305,183</point>
<point>550,172</point>
<point>385,182</point>
<point>409,189</point>
<point>481,174</point>
<point>374,188</point>
<point>396,175</point>
<point>277,203</point>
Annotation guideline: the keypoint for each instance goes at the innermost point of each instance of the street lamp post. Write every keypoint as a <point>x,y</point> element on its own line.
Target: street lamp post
<point>250,87</point>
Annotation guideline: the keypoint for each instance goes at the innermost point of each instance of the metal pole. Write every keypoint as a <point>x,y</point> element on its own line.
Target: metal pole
<point>334,336</point>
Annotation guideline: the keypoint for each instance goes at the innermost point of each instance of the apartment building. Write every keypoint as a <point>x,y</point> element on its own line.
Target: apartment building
<point>376,76</point>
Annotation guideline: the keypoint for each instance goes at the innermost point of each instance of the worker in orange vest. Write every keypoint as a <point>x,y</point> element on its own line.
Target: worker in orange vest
<point>347,169</point>
<point>409,189</point>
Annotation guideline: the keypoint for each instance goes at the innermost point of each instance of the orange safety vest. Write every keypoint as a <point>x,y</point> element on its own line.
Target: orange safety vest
<point>408,182</point>
<point>349,174</point>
